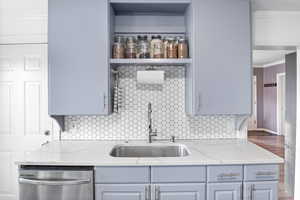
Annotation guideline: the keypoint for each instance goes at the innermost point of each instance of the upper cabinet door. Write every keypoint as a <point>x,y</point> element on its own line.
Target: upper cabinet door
<point>78,57</point>
<point>221,53</point>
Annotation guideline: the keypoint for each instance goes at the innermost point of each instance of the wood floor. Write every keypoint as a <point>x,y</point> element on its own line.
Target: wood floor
<point>274,144</point>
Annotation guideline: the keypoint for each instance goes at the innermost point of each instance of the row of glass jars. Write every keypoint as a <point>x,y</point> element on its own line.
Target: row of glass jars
<point>141,47</point>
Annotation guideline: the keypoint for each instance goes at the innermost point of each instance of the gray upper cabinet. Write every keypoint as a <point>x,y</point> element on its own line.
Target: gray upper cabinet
<point>79,46</point>
<point>219,79</point>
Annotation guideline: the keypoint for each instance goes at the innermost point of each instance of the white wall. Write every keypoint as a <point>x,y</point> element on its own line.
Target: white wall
<point>276,28</point>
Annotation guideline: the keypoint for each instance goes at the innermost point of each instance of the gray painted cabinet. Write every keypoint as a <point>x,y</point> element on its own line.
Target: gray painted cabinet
<point>259,182</point>
<point>79,47</point>
<point>261,190</point>
<point>122,191</point>
<point>192,191</point>
<point>224,191</point>
<point>220,75</point>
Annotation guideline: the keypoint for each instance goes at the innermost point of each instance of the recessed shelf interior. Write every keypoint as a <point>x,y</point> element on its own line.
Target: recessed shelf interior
<point>165,19</point>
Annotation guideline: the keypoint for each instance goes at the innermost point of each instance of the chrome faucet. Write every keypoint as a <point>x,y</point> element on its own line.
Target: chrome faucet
<point>150,128</point>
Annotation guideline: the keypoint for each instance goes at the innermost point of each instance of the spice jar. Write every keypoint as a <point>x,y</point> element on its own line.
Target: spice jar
<point>165,47</point>
<point>183,51</point>
<point>156,47</point>
<point>118,47</point>
<point>172,48</point>
<point>143,47</point>
<point>131,47</point>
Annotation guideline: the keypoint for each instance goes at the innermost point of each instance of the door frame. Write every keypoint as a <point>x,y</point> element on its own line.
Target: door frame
<point>254,108</point>
<point>278,107</point>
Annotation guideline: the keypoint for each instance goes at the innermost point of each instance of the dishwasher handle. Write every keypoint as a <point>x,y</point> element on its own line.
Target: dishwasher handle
<point>53,182</point>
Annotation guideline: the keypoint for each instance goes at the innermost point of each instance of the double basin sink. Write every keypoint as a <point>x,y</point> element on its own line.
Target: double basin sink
<point>150,150</point>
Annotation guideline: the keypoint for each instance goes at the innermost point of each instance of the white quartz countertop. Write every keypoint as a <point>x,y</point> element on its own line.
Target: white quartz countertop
<point>97,153</point>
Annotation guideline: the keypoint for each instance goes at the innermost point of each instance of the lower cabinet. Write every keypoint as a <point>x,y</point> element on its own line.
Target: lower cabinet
<point>150,192</point>
<point>122,191</point>
<point>267,190</point>
<point>235,182</point>
<point>179,191</point>
<point>224,191</point>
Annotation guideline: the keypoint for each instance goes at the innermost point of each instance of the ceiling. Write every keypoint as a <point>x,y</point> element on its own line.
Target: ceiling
<point>263,58</point>
<point>280,5</point>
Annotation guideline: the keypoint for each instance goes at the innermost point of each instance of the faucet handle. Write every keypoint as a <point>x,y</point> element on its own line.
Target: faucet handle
<point>173,138</point>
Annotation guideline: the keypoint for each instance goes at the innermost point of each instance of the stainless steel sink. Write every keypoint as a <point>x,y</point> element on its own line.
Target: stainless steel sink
<point>149,151</point>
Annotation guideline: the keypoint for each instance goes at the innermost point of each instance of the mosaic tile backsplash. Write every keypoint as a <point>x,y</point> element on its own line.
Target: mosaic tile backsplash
<point>168,114</point>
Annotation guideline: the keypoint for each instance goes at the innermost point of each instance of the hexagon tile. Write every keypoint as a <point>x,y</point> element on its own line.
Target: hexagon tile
<point>168,113</point>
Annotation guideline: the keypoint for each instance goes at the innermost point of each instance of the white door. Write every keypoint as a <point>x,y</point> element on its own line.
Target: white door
<point>252,123</point>
<point>281,103</point>
<point>23,109</point>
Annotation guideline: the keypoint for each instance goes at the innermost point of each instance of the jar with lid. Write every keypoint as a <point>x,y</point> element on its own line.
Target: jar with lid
<point>165,47</point>
<point>143,47</point>
<point>118,47</point>
<point>172,48</point>
<point>183,51</point>
<point>131,47</point>
<point>156,47</point>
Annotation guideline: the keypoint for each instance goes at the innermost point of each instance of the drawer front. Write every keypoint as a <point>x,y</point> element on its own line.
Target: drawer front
<point>230,173</point>
<point>178,174</point>
<point>122,175</point>
<point>261,172</point>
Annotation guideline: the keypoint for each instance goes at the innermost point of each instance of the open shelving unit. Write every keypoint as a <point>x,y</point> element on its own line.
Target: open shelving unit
<point>151,17</point>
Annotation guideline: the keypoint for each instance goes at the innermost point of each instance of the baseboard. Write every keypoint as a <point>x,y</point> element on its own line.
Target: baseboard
<point>265,130</point>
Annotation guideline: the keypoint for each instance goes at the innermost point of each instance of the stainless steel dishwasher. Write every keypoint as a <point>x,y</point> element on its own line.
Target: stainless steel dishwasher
<point>56,183</point>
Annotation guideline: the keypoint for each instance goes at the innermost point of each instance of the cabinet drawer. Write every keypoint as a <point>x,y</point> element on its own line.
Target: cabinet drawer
<point>122,175</point>
<point>261,172</point>
<point>178,174</point>
<point>228,173</point>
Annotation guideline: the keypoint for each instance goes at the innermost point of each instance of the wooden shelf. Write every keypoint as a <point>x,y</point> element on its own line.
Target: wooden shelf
<point>150,61</point>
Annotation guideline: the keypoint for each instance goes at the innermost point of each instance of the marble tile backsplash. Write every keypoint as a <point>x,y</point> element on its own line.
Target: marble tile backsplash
<point>169,116</point>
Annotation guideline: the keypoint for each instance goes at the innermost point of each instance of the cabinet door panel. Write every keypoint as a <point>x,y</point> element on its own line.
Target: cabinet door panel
<point>78,57</point>
<point>121,192</point>
<point>224,191</point>
<point>179,192</point>
<point>221,52</point>
<point>261,190</point>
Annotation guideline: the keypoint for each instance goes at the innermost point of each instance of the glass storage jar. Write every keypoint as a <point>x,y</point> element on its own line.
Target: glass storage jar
<point>118,47</point>
<point>172,48</point>
<point>131,47</point>
<point>183,50</point>
<point>165,47</point>
<point>156,47</point>
<point>143,47</point>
